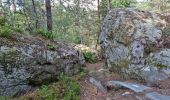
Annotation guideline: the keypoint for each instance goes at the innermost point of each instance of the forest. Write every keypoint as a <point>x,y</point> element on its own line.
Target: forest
<point>84,49</point>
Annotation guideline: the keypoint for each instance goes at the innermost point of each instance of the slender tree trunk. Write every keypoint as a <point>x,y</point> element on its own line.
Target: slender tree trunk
<point>98,1</point>
<point>98,11</point>
<point>14,5</point>
<point>60,2</point>
<point>49,15</point>
<point>35,14</point>
<point>109,5</point>
<point>0,3</point>
<point>1,9</point>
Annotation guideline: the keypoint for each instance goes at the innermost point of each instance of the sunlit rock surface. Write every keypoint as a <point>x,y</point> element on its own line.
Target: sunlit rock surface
<point>132,42</point>
<point>26,61</point>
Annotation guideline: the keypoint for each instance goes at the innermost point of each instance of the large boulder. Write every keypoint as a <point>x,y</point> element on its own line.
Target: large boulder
<point>26,61</point>
<point>131,40</point>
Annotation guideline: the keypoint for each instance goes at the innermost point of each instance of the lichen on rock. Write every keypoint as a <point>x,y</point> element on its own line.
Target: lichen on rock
<point>26,61</point>
<point>129,36</point>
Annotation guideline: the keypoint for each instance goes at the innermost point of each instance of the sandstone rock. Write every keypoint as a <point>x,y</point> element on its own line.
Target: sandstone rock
<point>130,38</point>
<point>26,61</point>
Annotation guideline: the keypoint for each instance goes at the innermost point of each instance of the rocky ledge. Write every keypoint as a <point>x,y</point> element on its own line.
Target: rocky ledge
<point>135,45</point>
<point>26,61</point>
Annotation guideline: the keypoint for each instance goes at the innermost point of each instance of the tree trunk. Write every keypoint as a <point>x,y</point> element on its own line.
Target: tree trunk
<point>1,9</point>
<point>98,1</point>
<point>13,5</point>
<point>0,3</point>
<point>35,14</point>
<point>98,11</point>
<point>49,15</point>
<point>109,5</point>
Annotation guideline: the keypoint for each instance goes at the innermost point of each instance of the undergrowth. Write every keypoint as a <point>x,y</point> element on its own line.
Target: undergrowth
<point>67,88</point>
<point>90,56</point>
<point>47,34</point>
<point>6,30</point>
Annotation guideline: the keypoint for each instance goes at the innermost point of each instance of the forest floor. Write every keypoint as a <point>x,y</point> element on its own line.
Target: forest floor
<point>91,92</point>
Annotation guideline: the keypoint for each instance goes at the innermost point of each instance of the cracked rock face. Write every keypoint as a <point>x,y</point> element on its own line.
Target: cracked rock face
<point>130,37</point>
<point>26,61</point>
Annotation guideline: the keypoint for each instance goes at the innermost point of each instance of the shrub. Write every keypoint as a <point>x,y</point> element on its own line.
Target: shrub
<point>19,30</point>
<point>40,31</point>
<point>66,88</point>
<point>5,31</point>
<point>47,34</point>
<point>90,57</point>
<point>2,21</point>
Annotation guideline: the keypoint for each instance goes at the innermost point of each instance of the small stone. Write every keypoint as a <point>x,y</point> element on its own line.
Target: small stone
<point>126,93</point>
<point>133,86</point>
<point>157,96</point>
<point>97,84</point>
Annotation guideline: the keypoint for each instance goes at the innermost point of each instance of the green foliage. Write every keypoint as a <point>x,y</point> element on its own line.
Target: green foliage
<point>90,57</point>
<point>45,33</point>
<point>73,91</point>
<point>67,88</point>
<point>103,6</point>
<point>83,72</point>
<point>19,30</point>
<point>75,25</point>
<point>4,98</point>
<point>49,35</point>
<point>2,21</point>
<point>64,27</point>
<point>46,92</point>
<point>40,31</point>
<point>122,3</point>
<point>52,47</point>
<point>154,5</point>
<point>5,31</point>
<point>115,4</point>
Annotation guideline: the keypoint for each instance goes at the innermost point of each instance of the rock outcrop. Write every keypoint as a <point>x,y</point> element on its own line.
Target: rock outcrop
<point>132,43</point>
<point>26,61</point>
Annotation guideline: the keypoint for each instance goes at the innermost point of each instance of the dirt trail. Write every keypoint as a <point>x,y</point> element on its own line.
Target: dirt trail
<point>91,92</point>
